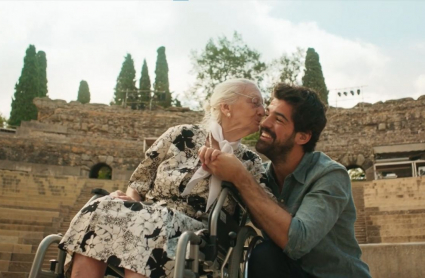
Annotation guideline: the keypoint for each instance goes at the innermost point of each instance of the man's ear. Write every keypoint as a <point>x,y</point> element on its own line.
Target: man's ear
<point>302,138</point>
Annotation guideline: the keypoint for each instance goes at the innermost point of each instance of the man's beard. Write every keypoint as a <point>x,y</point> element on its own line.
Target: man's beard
<point>275,151</point>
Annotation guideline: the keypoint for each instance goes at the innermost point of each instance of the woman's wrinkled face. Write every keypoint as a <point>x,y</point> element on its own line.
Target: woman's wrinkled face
<point>248,111</point>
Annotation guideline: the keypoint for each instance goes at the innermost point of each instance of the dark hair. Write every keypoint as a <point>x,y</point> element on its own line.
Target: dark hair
<point>308,112</point>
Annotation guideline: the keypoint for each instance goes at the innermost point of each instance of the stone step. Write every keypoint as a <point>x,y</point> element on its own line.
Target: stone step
<point>8,274</point>
<point>15,248</point>
<point>24,227</point>
<point>23,234</point>
<point>4,266</point>
<point>19,266</point>
<point>22,257</point>
<point>13,203</point>
<point>29,222</point>
<point>9,239</point>
<point>14,211</point>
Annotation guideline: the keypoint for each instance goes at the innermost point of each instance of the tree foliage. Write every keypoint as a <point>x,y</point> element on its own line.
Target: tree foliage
<point>161,84</point>
<point>145,83</point>
<point>42,73</point>
<point>223,59</point>
<point>3,121</point>
<point>357,174</point>
<point>313,76</point>
<point>126,84</point>
<point>286,68</point>
<point>83,92</point>
<point>27,88</point>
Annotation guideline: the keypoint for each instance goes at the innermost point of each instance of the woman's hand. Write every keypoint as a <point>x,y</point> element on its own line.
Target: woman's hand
<point>225,166</point>
<point>121,195</point>
<point>207,155</point>
<point>130,195</point>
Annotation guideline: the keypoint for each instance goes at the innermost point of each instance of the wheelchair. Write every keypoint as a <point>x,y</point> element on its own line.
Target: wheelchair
<point>220,251</point>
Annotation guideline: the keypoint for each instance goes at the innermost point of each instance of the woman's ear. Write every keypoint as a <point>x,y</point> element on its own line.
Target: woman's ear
<point>225,109</point>
<point>302,138</point>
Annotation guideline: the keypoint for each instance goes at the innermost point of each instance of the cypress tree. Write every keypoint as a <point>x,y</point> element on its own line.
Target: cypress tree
<point>145,83</point>
<point>27,88</point>
<point>313,76</point>
<point>42,73</point>
<point>161,85</point>
<point>83,92</point>
<point>126,83</point>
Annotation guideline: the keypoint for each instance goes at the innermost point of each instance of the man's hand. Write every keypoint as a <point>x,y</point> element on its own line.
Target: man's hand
<point>268,215</point>
<point>222,165</point>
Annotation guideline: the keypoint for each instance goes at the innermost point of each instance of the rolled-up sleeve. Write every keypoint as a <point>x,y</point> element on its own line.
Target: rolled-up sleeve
<point>318,212</point>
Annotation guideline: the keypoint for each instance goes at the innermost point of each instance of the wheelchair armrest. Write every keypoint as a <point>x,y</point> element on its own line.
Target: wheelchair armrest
<point>99,191</point>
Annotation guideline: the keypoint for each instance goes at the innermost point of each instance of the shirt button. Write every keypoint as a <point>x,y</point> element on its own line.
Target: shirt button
<point>281,200</point>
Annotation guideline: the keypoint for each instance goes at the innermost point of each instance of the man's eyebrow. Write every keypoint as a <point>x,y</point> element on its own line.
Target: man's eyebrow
<point>281,115</point>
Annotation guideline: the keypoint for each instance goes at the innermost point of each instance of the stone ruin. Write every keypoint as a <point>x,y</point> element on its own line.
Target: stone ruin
<point>74,138</point>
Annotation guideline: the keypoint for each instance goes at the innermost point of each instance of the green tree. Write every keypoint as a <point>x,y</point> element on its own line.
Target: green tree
<point>126,84</point>
<point>42,73</point>
<point>161,85</point>
<point>83,92</point>
<point>313,76</point>
<point>3,121</point>
<point>286,68</point>
<point>221,60</point>
<point>27,88</point>
<point>176,102</point>
<point>145,84</point>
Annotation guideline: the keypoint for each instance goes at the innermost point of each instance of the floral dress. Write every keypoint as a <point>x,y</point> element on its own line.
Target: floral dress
<point>141,237</point>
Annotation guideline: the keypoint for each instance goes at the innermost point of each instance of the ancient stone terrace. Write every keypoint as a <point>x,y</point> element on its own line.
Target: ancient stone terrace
<point>33,206</point>
<point>390,213</point>
<point>76,137</point>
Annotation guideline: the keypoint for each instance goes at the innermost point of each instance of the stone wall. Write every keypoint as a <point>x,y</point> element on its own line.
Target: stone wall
<point>394,210</point>
<point>111,122</point>
<point>395,260</point>
<point>71,138</point>
<point>351,134</point>
<point>82,135</point>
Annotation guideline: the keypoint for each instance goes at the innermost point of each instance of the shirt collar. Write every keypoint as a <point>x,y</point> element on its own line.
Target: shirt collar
<point>299,173</point>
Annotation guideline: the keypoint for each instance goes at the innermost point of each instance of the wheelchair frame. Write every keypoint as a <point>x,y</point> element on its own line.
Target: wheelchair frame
<point>205,252</point>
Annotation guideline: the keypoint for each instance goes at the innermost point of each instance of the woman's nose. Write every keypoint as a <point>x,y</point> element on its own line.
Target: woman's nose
<point>261,111</point>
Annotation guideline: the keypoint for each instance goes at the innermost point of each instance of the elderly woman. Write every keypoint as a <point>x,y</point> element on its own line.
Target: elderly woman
<point>121,230</point>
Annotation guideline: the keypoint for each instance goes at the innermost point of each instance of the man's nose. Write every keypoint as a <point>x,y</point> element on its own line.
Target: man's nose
<point>265,122</point>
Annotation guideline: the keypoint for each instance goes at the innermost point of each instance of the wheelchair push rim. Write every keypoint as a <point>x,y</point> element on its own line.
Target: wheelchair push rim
<point>246,240</point>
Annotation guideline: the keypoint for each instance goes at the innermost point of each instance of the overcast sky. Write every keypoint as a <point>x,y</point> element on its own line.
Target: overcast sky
<point>377,44</point>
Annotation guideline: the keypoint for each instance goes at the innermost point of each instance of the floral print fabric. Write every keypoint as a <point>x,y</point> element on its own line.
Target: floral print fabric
<point>141,237</point>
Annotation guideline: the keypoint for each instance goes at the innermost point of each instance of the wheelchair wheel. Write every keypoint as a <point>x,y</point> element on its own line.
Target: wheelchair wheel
<point>246,240</point>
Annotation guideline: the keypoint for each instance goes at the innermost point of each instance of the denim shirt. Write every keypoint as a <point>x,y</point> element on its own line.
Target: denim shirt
<point>321,235</point>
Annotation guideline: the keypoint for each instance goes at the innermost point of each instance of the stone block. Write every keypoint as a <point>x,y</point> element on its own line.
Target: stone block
<point>102,158</point>
<point>4,266</point>
<point>8,274</point>
<point>5,256</point>
<point>394,260</point>
<point>20,266</point>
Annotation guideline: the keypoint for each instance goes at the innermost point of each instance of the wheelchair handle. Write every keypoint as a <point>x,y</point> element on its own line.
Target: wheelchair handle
<point>99,191</point>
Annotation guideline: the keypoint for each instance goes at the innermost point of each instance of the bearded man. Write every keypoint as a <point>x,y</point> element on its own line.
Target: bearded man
<point>309,228</point>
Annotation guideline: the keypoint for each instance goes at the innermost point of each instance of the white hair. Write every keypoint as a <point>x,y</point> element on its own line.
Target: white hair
<point>224,93</point>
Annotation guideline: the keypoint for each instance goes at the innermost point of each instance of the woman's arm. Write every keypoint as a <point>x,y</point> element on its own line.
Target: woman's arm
<point>143,177</point>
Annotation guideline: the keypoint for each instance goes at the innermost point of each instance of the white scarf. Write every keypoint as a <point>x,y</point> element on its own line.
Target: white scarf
<point>215,183</point>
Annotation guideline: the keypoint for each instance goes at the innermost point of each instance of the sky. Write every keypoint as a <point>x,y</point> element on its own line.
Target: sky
<point>377,46</point>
